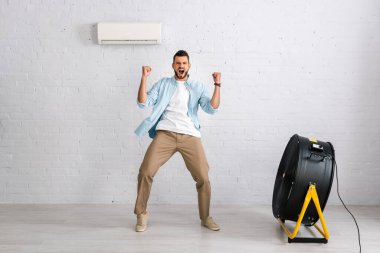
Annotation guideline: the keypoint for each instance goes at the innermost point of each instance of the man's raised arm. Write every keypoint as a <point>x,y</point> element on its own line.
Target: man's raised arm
<point>141,97</point>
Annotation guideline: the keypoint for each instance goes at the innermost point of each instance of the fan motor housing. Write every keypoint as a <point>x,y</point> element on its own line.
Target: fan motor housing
<point>304,162</point>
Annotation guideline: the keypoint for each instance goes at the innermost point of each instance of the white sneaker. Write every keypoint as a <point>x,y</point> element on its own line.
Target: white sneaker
<point>210,224</point>
<point>142,222</point>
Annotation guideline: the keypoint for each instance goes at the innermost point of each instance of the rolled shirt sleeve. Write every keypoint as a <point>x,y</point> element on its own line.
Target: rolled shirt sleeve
<point>205,102</point>
<point>152,96</point>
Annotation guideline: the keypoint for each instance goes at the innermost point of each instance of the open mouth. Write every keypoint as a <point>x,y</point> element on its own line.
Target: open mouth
<point>181,71</point>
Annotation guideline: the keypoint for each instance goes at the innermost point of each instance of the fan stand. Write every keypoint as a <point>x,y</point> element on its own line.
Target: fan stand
<point>310,195</point>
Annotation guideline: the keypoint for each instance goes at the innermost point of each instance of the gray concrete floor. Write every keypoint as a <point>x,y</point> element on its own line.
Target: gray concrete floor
<point>173,228</point>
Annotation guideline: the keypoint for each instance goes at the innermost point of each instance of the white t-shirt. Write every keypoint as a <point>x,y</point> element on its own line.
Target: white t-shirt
<point>175,116</point>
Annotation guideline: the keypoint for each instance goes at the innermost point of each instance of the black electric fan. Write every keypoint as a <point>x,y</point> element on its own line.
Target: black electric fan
<point>305,162</point>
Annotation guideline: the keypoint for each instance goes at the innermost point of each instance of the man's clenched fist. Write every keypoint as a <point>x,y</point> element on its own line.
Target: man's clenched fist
<point>146,71</point>
<point>216,76</point>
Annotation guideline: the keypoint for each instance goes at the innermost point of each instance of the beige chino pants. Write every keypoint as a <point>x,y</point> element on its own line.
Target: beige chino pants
<point>163,146</point>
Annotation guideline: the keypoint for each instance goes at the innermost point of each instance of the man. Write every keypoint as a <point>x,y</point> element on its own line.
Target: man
<point>174,126</point>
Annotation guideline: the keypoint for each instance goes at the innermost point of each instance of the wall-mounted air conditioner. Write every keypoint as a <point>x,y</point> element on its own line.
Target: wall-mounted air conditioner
<point>129,33</point>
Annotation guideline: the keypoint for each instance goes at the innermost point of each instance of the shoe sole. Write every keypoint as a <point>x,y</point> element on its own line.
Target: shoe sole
<point>140,230</point>
<point>213,229</point>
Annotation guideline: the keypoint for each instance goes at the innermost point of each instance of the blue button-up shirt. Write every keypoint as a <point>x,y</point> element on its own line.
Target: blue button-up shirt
<point>159,97</point>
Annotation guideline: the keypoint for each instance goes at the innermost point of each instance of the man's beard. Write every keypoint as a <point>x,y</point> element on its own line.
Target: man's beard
<point>184,75</point>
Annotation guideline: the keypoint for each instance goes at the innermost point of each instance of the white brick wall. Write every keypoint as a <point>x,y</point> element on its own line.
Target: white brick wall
<point>68,110</point>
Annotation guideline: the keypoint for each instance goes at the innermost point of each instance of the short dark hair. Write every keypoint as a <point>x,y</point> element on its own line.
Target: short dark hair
<point>181,53</point>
